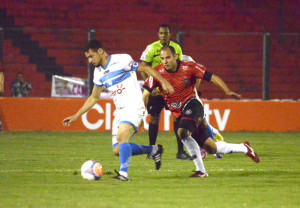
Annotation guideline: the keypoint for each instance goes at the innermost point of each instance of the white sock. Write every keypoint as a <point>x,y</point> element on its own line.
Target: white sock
<point>194,151</point>
<point>154,149</point>
<point>227,148</point>
<point>214,131</point>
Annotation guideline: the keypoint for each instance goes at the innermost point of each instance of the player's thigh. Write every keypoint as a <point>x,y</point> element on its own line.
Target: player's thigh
<point>128,123</point>
<point>155,105</point>
<point>191,115</point>
<point>125,132</point>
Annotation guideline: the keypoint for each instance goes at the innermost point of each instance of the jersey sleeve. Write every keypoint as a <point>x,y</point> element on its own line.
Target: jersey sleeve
<point>199,70</point>
<point>129,63</point>
<point>96,80</point>
<point>150,84</point>
<point>147,55</point>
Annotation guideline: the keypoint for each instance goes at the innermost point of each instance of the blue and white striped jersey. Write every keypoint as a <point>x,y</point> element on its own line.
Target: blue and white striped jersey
<point>119,78</point>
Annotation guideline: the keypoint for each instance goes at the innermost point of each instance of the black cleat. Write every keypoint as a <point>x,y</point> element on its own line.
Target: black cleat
<point>183,156</point>
<point>119,177</point>
<point>157,156</point>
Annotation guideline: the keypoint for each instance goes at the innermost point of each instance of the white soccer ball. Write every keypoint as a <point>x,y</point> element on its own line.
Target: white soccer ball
<point>91,170</point>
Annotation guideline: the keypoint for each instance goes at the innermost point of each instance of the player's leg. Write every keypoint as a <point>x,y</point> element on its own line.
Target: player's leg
<point>124,127</point>
<point>212,135</point>
<point>218,137</point>
<point>227,148</point>
<point>181,154</point>
<point>192,115</point>
<point>194,150</point>
<point>154,108</point>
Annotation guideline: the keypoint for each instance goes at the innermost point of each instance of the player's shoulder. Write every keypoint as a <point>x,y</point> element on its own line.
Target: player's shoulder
<point>174,44</point>
<point>158,67</point>
<point>187,63</point>
<point>121,57</point>
<point>154,45</point>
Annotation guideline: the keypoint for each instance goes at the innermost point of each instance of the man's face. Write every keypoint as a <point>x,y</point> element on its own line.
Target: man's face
<point>94,57</point>
<point>168,59</point>
<point>20,77</point>
<point>164,35</point>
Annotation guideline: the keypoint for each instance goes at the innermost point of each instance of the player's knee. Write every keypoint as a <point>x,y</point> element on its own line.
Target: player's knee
<point>116,151</point>
<point>154,120</point>
<point>210,146</point>
<point>183,133</point>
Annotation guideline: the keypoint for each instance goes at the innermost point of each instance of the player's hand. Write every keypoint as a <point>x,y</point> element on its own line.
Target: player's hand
<point>167,88</point>
<point>69,120</point>
<point>234,95</point>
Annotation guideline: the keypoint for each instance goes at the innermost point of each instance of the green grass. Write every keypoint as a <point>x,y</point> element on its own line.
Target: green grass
<point>42,169</point>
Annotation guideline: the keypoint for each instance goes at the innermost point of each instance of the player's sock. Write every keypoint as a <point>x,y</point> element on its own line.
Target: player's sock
<point>140,149</point>
<point>214,130</point>
<point>125,154</point>
<point>179,143</point>
<point>209,131</point>
<point>153,131</point>
<point>228,148</point>
<point>194,151</point>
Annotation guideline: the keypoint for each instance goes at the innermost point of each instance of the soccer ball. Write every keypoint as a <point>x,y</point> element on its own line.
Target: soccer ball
<point>91,170</point>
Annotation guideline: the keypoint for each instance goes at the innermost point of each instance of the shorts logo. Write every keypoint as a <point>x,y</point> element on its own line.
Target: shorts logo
<point>176,105</point>
<point>188,112</point>
<point>186,81</point>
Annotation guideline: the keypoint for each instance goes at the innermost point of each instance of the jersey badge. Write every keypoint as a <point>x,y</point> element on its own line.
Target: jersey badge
<point>186,81</point>
<point>188,112</point>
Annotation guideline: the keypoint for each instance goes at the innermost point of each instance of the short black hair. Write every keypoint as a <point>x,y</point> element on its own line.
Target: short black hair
<point>94,45</point>
<point>164,26</point>
<point>169,47</point>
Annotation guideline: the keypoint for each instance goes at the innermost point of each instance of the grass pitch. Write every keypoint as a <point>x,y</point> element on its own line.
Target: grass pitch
<point>42,169</point>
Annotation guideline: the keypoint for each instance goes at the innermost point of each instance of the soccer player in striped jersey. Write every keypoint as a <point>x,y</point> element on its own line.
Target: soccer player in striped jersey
<point>213,132</point>
<point>187,108</point>
<point>117,73</point>
<point>151,57</point>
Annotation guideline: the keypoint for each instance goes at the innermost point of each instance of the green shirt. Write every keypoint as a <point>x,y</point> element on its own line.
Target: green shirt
<point>152,53</point>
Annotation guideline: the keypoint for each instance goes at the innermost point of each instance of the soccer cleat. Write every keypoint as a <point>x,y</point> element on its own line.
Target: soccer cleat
<point>119,177</point>
<point>253,155</point>
<point>218,156</point>
<point>203,153</point>
<point>183,156</point>
<point>199,174</point>
<point>218,137</point>
<point>157,156</point>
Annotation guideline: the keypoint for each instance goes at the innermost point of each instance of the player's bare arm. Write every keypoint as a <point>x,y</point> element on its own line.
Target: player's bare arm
<point>163,82</point>
<point>89,103</point>
<point>221,84</point>
<point>143,74</point>
<point>198,81</point>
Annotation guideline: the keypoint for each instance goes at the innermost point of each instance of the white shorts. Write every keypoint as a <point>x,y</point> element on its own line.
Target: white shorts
<point>131,116</point>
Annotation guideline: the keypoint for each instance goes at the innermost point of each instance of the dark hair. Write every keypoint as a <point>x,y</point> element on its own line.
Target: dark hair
<point>164,26</point>
<point>94,45</point>
<point>169,47</point>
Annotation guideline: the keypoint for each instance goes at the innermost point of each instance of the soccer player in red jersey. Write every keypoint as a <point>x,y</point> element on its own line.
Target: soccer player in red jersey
<point>189,111</point>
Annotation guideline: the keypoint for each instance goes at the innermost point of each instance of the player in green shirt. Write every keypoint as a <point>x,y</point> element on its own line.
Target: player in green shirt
<point>151,57</point>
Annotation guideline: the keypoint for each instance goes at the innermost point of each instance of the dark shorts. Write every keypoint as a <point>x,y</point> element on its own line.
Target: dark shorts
<point>191,119</point>
<point>155,105</point>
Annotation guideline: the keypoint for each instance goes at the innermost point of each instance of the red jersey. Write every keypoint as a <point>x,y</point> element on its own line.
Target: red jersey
<point>183,81</point>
